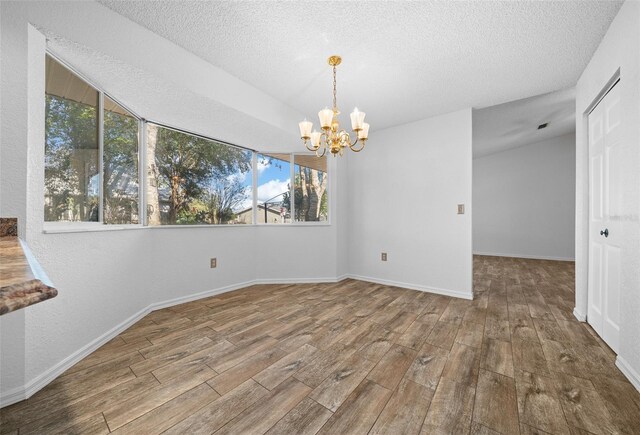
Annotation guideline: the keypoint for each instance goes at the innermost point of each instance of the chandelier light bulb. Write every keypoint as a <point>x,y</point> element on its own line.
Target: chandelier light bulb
<point>357,119</point>
<point>315,139</point>
<point>305,129</point>
<point>326,117</point>
<point>364,133</point>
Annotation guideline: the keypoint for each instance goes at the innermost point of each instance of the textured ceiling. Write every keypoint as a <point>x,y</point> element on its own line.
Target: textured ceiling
<point>403,61</point>
<point>515,124</point>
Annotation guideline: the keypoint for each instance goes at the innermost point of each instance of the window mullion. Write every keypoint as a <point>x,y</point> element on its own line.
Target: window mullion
<point>101,181</point>
<point>292,190</point>
<point>142,173</point>
<point>254,171</point>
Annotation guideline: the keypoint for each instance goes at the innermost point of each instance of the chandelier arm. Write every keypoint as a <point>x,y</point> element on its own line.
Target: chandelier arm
<point>312,148</point>
<point>357,150</point>
<point>345,138</point>
<point>351,145</point>
<point>324,142</point>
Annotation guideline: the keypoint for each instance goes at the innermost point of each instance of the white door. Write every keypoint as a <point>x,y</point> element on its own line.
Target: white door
<point>605,194</point>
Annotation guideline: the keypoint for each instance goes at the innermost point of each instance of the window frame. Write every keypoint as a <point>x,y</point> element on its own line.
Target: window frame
<point>53,227</point>
<point>64,227</point>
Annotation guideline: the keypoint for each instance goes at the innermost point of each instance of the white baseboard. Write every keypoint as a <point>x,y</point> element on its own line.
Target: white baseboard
<point>629,372</point>
<point>300,280</point>
<point>39,382</point>
<point>579,315</point>
<point>529,257</point>
<point>205,294</point>
<point>422,288</point>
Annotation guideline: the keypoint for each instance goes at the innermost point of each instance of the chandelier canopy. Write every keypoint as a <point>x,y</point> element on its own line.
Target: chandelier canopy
<point>332,138</point>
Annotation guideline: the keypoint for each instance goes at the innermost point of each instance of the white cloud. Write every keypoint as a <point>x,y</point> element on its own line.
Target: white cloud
<point>272,188</point>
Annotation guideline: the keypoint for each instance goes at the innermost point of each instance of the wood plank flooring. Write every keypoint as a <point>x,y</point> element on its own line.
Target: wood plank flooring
<point>351,357</point>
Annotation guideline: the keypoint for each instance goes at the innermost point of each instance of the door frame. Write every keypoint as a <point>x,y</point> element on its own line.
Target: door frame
<point>600,322</point>
<point>582,215</point>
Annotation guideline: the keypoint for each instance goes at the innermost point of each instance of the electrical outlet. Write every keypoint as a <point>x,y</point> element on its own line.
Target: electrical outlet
<point>214,263</point>
<point>384,256</point>
<point>460,208</point>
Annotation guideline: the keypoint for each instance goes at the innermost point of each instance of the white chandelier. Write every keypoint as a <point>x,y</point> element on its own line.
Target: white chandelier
<point>331,137</point>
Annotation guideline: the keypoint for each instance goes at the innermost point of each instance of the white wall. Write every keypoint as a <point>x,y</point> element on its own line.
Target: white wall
<point>620,49</point>
<point>105,278</point>
<point>342,218</point>
<point>524,201</point>
<point>403,195</point>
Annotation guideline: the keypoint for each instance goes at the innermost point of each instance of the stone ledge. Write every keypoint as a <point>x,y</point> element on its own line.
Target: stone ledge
<point>19,288</point>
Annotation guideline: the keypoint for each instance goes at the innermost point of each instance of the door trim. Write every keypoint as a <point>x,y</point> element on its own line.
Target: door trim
<point>615,78</point>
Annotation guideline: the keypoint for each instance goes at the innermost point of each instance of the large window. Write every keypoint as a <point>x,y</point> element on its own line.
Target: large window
<point>71,165</point>
<point>193,180</point>
<point>94,155</point>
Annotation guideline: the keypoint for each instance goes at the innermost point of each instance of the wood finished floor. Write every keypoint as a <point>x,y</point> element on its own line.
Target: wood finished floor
<point>351,357</point>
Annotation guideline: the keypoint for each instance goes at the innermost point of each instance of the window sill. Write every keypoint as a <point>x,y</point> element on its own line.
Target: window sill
<point>61,228</point>
<point>298,224</point>
<point>56,228</point>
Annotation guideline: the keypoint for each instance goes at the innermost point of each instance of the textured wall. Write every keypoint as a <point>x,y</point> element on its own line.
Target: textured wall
<point>403,196</point>
<point>524,201</point>
<point>620,49</point>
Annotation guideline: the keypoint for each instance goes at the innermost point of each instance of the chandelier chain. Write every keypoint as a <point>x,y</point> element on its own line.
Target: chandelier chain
<point>335,105</point>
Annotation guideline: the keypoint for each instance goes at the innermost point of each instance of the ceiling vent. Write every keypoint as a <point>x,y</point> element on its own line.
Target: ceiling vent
<point>541,126</point>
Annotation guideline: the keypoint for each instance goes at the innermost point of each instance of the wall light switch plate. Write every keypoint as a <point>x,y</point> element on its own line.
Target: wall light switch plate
<point>460,208</point>
<point>384,256</point>
<point>214,263</point>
